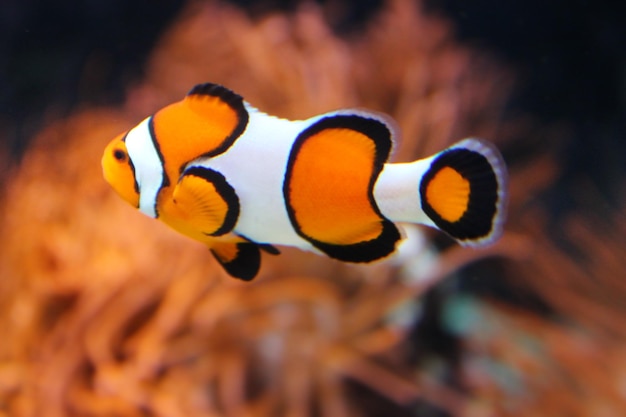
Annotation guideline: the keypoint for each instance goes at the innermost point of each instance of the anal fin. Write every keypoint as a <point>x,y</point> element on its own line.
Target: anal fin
<point>241,260</point>
<point>267,248</point>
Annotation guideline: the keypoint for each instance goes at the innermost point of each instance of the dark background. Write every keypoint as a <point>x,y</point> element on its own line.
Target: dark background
<point>569,56</point>
<point>57,55</point>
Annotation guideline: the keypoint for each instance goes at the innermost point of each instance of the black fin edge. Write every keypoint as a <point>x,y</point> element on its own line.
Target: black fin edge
<point>235,101</point>
<point>364,252</point>
<point>225,190</point>
<point>216,90</point>
<point>246,264</point>
<point>265,247</point>
<point>479,220</point>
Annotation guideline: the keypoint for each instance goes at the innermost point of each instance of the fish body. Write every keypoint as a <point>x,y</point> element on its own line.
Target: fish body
<point>218,170</point>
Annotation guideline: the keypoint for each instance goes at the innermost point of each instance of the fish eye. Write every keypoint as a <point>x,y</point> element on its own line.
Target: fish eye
<point>119,155</point>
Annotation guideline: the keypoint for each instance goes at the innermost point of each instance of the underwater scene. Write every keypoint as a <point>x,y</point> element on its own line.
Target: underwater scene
<point>105,311</point>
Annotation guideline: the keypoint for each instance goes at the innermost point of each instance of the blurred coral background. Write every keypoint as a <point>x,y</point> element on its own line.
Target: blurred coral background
<point>107,313</point>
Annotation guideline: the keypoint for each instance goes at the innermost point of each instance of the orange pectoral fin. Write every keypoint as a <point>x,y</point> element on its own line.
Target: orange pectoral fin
<point>205,203</point>
<point>240,260</point>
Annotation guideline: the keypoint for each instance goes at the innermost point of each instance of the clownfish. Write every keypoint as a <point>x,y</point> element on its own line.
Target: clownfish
<point>218,170</point>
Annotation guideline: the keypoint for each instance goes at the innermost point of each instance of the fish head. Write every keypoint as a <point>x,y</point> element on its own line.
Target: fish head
<point>119,171</point>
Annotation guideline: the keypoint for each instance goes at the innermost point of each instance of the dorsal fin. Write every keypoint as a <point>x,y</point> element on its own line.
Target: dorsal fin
<point>204,124</point>
<point>239,259</point>
<point>215,90</point>
<point>199,100</point>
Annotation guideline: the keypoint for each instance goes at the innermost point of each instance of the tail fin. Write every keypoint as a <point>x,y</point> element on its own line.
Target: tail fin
<point>464,192</point>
